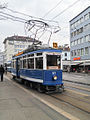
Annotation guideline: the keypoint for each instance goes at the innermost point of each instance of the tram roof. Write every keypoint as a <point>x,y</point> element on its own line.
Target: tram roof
<point>38,51</point>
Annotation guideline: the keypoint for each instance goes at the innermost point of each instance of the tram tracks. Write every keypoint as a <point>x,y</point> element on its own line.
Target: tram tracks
<point>77,87</point>
<point>79,103</point>
<point>76,82</point>
<point>76,101</point>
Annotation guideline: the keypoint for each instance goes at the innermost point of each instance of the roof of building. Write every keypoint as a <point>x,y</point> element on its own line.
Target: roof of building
<point>80,13</point>
<point>19,38</point>
<point>64,48</point>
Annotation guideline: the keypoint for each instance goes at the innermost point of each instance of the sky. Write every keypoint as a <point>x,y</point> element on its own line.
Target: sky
<point>39,8</point>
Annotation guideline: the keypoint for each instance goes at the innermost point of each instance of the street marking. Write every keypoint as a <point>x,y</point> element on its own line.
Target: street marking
<point>76,92</point>
<point>65,114</point>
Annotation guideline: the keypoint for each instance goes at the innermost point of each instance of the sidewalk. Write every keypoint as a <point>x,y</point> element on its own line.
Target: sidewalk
<point>18,104</point>
<point>79,78</point>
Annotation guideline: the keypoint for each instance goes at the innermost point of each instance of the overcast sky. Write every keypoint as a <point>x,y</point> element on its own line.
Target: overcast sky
<point>39,8</point>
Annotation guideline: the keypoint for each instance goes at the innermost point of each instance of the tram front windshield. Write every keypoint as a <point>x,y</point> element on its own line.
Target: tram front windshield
<point>53,61</point>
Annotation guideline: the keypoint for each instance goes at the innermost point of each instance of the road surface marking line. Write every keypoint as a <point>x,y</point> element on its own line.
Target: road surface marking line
<point>76,92</point>
<point>65,114</point>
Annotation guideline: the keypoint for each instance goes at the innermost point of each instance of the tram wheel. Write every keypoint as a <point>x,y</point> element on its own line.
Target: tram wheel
<point>40,89</point>
<point>31,85</point>
<point>22,81</point>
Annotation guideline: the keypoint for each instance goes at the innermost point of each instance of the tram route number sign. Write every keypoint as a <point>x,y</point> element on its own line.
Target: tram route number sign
<point>55,45</point>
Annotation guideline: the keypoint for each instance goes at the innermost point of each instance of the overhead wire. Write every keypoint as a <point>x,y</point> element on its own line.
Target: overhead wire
<point>52,8</point>
<point>14,11</point>
<point>65,9</point>
<point>12,16</point>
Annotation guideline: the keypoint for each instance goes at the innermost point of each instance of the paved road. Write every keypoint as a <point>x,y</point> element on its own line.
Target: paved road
<point>77,77</point>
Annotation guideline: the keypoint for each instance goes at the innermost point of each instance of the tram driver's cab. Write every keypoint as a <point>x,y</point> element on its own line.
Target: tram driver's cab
<point>53,61</point>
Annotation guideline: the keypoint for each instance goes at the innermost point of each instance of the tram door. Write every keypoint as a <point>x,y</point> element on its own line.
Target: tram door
<point>18,67</point>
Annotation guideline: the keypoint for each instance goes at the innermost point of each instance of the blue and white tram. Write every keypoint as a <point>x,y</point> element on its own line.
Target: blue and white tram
<point>42,69</point>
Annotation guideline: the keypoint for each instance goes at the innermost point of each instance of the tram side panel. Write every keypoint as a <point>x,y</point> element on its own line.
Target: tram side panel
<point>32,75</point>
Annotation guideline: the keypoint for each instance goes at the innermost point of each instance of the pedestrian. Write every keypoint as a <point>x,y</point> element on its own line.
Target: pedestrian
<point>1,72</point>
<point>68,69</point>
<point>6,69</point>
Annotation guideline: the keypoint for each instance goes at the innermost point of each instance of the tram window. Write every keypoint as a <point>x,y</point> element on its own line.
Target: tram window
<point>39,63</point>
<point>21,64</point>
<point>53,60</point>
<point>31,55</point>
<point>24,56</point>
<point>30,63</point>
<point>38,54</point>
<point>14,64</point>
<point>24,63</point>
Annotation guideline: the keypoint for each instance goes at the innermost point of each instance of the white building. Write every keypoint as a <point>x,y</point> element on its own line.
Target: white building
<point>15,44</point>
<point>65,57</point>
<point>1,58</point>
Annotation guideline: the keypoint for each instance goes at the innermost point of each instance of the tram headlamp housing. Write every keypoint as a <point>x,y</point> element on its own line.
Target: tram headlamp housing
<point>55,77</point>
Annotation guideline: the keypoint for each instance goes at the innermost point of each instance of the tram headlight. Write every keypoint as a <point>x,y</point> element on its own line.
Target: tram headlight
<point>55,77</point>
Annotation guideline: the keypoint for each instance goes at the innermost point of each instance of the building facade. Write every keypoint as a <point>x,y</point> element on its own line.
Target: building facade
<point>80,37</point>
<point>15,44</point>
<point>65,57</point>
<point>1,58</point>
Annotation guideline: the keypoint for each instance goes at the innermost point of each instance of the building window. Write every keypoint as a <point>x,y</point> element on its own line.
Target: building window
<point>65,54</point>
<point>65,58</point>
<point>87,38</point>
<point>78,52</point>
<point>81,30</point>
<point>72,34</point>
<point>74,52</point>
<point>71,43</point>
<point>86,27</point>
<point>87,16</point>
<point>10,42</point>
<point>77,31</point>
<point>81,20</point>
<point>78,41</point>
<point>82,51</point>
<point>75,42</point>
<point>86,51</point>
<point>81,40</point>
